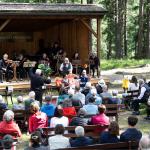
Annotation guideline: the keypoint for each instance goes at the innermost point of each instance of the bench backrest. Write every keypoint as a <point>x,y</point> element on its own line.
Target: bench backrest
<point>131,145</point>
<point>132,94</point>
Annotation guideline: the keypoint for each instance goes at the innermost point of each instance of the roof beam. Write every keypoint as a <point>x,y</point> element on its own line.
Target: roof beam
<point>4,24</point>
<point>88,27</point>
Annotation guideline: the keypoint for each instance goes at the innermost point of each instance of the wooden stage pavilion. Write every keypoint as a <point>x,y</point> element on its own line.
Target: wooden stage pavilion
<point>23,26</point>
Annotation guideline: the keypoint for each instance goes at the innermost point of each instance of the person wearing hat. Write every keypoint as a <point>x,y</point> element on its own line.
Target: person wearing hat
<point>20,105</point>
<point>79,120</point>
<point>48,107</point>
<point>3,105</point>
<point>99,86</point>
<point>87,88</point>
<point>7,142</point>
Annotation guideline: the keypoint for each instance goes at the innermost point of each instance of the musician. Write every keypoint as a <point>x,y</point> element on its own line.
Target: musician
<point>66,67</point>
<point>76,56</point>
<point>6,67</point>
<point>37,82</point>
<point>44,60</point>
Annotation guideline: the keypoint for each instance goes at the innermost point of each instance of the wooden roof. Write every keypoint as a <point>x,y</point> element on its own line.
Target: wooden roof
<point>44,9</point>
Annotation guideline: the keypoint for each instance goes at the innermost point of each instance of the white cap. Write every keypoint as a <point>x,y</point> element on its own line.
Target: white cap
<point>101,82</point>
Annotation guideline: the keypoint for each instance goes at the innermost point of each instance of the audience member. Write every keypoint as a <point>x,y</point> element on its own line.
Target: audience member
<point>79,120</point>
<point>133,85</point>
<point>62,96</point>
<point>3,105</point>
<point>7,142</point>
<point>58,140</point>
<point>91,108</point>
<point>35,142</point>
<point>105,93</point>
<point>100,118</point>
<point>115,99</point>
<point>30,100</point>
<point>131,134</point>
<point>87,88</point>
<point>8,126</point>
<point>81,139</point>
<point>78,97</point>
<point>83,79</point>
<point>99,86</point>
<point>59,118</point>
<point>48,107</point>
<point>110,136</point>
<point>38,119</point>
<point>144,143</point>
<point>20,105</point>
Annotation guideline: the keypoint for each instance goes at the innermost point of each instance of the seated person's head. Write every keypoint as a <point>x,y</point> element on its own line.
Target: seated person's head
<point>59,129</point>
<point>66,60</point>
<point>94,92</point>
<point>35,138</point>
<point>91,100</point>
<point>77,88</point>
<point>34,108</point>
<point>7,141</point>
<point>20,99</point>
<point>114,128</point>
<point>67,103</point>
<point>101,109</point>
<point>48,99</point>
<point>144,143</point>
<point>132,121</point>
<point>84,72</point>
<point>58,112</point>
<point>82,112</point>
<point>114,92</point>
<point>8,116</point>
<point>141,82</point>
<point>79,130</point>
<point>32,95</point>
<point>38,72</point>
<point>70,92</point>
<point>88,85</point>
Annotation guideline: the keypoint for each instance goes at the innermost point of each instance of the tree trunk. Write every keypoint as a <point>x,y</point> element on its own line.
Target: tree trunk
<point>140,31</point>
<point>89,1</point>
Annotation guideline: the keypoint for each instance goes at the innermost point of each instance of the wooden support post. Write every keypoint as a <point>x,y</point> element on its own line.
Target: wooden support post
<point>98,44</point>
<point>89,28</point>
<point>4,24</point>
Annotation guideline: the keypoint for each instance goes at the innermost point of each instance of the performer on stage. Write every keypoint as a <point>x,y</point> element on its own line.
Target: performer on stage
<point>66,67</point>
<point>6,67</point>
<point>44,60</point>
<point>37,81</point>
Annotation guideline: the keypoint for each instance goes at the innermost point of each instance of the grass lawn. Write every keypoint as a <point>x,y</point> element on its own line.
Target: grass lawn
<point>122,63</point>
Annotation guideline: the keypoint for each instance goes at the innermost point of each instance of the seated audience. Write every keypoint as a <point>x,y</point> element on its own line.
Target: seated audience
<point>144,143</point>
<point>99,86</point>
<point>78,97</point>
<point>83,79</point>
<point>7,142</point>
<point>59,118</point>
<point>62,96</point>
<point>131,134</point>
<point>8,125</point>
<point>87,88</point>
<point>105,93</point>
<point>3,105</point>
<point>35,142</point>
<point>91,108</point>
<point>68,110</point>
<point>81,139</point>
<point>100,118</point>
<point>79,120</point>
<point>115,99</point>
<point>58,140</point>
<point>38,119</point>
<point>20,105</point>
<point>30,100</point>
<point>110,136</point>
<point>48,107</point>
<point>133,85</point>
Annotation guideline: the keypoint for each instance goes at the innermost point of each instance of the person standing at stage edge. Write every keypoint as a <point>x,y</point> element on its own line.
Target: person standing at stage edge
<point>37,82</point>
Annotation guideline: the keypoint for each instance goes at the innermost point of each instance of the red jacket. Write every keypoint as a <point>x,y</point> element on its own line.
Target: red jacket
<point>9,127</point>
<point>37,120</point>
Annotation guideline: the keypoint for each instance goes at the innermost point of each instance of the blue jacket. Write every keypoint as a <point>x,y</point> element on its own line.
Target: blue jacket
<point>81,141</point>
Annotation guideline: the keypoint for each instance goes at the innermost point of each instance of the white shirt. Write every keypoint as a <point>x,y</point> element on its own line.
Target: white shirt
<point>143,90</point>
<point>58,141</point>
<point>133,87</point>
<point>63,120</point>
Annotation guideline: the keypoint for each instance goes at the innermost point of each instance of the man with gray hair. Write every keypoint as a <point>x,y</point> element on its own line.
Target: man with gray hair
<point>144,143</point>
<point>37,82</point>
<point>81,140</point>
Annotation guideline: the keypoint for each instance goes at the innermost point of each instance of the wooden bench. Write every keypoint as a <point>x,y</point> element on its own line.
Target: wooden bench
<point>131,145</point>
<point>69,131</point>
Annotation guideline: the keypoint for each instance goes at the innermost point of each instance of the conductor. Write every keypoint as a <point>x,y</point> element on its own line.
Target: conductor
<point>37,82</point>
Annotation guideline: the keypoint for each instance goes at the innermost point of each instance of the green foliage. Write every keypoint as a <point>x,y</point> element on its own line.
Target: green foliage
<point>122,63</point>
<point>45,69</point>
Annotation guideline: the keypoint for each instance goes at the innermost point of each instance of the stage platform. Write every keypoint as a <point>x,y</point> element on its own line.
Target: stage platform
<point>25,85</point>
